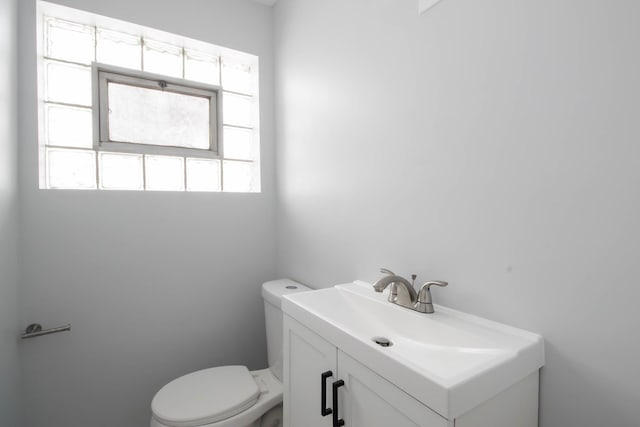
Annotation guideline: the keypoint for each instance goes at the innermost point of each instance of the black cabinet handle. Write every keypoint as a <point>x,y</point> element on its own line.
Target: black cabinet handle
<point>324,411</point>
<point>336,421</point>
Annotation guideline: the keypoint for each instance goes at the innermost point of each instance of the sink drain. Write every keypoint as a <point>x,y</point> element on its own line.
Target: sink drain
<point>382,341</point>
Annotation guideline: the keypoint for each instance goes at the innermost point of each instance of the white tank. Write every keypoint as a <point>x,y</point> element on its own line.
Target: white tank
<point>272,293</point>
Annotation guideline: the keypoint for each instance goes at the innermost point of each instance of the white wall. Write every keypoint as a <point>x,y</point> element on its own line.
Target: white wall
<point>9,363</point>
<point>155,285</point>
<point>492,144</point>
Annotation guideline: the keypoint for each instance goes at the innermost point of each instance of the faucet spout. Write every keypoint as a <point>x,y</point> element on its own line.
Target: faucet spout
<point>406,293</point>
<point>381,284</point>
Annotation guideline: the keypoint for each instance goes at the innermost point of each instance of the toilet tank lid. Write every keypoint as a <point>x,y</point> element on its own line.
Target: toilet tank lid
<point>273,290</point>
<point>205,397</point>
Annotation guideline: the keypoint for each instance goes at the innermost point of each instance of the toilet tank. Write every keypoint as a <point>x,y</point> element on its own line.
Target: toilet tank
<point>272,293</point>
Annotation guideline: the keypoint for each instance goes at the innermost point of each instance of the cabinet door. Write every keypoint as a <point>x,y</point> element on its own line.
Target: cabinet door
<point>306,357</point>
<point>368,400</point>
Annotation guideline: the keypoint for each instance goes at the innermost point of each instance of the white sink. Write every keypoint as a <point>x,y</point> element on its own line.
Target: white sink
<point>449,360</point>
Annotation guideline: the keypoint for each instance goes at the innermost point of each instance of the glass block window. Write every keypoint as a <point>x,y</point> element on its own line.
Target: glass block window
<point>122,110</point>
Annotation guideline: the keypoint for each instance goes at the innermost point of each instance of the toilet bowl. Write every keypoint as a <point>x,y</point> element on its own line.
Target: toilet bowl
<point>231,396</point>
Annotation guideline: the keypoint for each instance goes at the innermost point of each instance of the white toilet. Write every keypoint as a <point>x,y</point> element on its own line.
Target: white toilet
<point>231,396</point>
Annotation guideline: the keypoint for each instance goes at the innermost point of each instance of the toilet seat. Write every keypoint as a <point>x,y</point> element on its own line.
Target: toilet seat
<point>205,397</point>
<point>270,398</point>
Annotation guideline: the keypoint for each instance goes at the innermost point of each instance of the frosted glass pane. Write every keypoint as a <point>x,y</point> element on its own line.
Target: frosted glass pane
<point>69,126</point>
<point>73,169</point>
<point>237,110</point>
<point>236,78</point>
<point>66,83</point>
<point>200,67</point>
<point>238,143</point>
<point>121,171</point>
<point>119,49</point>
<point>69,41</point>
<point>164,173</point>
<point>203,175</point>
<point>162,58</point>
<point>155,117</point>
<point>237,176</point>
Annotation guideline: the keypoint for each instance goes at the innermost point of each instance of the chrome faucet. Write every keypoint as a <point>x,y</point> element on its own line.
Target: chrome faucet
<point>404,295</point>
<point>402,292</point>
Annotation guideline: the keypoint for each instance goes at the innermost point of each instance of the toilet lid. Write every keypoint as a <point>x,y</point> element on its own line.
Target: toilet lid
<point>205,397</point>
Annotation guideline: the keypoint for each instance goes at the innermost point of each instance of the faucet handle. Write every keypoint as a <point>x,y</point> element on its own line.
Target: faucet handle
<point>435,282</point>
<point>387,271</point>
<point>424,303</point>
<point>424,295</point>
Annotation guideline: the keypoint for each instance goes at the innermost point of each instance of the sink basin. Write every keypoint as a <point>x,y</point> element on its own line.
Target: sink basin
<point>449,360</point>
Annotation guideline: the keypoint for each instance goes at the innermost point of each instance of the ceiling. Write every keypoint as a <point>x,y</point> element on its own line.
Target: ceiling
<point>267,2</point>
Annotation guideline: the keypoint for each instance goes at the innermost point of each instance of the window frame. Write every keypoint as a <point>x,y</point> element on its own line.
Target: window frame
<point>240,173</point>
<point>103,74</point>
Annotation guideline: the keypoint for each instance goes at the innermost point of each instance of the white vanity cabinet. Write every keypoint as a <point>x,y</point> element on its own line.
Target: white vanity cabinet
<point>306,357</point>
<point>446,369</point>
<point>364,398</point>
<point>368,400</point>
